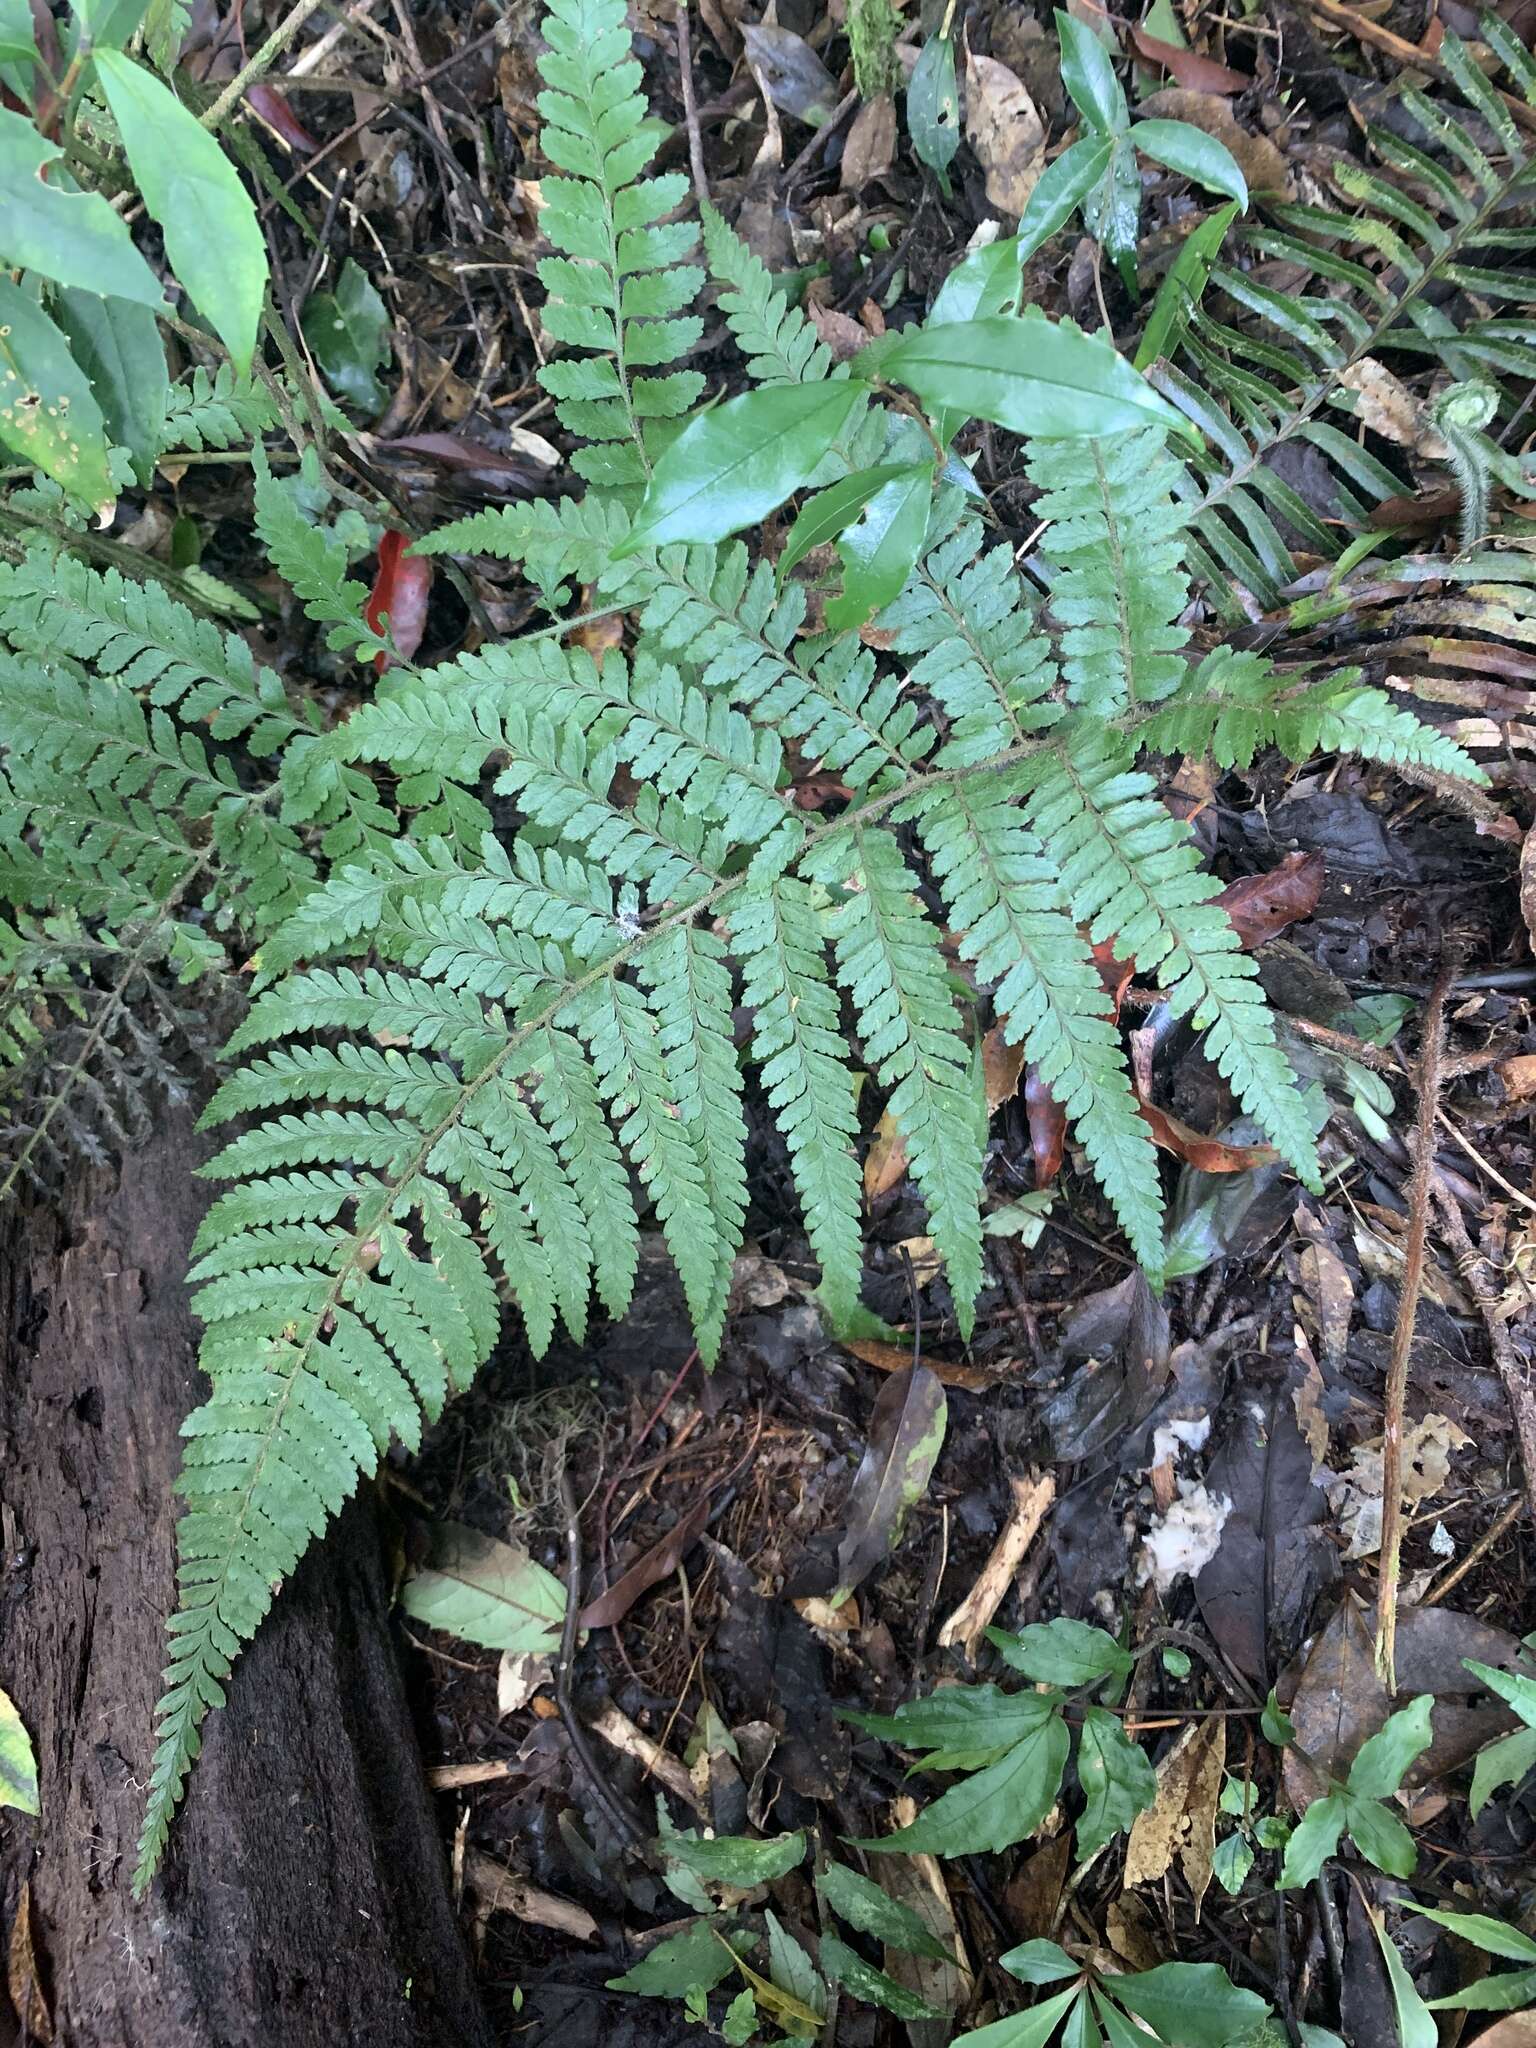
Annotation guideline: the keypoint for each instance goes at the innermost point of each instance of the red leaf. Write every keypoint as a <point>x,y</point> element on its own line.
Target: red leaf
<point>658,1563</point>
<point>1115,975</point>
<point>399,594</point>
<point>1047,1127</point>
<point>1194,72</point>
<point>268,104</point>
<point>1261,905</point>
<point>1207,1155</point>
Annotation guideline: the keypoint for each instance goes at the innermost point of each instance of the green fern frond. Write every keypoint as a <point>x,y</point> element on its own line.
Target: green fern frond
<point>215,411</point>
<point>621,286</point>
<point>559,542</point>
<point>310,560</point>
<point>780,344</point>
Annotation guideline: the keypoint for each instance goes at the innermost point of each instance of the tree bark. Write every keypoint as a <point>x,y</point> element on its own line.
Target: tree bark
<point>304,1900</point>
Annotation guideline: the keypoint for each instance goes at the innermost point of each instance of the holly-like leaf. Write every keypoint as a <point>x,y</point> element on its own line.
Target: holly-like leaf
<point>995,1807</point>
<point>48,413</point>
<point>212,237</point>
<point>733,465</point>
<point>69,236</point>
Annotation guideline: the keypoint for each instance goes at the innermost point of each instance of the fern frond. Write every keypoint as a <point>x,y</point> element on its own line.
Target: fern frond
<point>780,344</point>
<point>559,542</point>
<point>621,285</point>
<point>310,560</point>
<point>215,411</point>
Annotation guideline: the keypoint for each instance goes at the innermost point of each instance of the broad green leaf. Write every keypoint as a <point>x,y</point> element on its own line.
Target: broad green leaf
<point>740,2022</point>
<point>737,1859</point>
<point>1319,2037</point>
<point>696,1959</point>
<point>1117,1778</point>
<point>822,518</point>
<point>1061,190</point>
<point>1513,1687</point>
<point>1505,1762</point>
<point>1380,1836</point>
<point>1231,1863</point>
<point>48,413</point>
<point>1276,1724</point>
<point>1063,1652</point>
<point>1033,375</point>
<point>1511,1991</point>
<point>1039,1962</point>
<point>878,552</point>
<point>212,237</point>
<point>1190,2005</point>
<point>18,1766</point>
<point>791,1969</point>
<point>1492,1936</point>
<point>733,465</point>
<point>1193,154</point>
<point>1415,2022</point>
<point>845,1966</point>
<point>1313,1840</point>
<point>72,237</point>
<point>982,284</point>
<point>995,1807</point>
<point>108,24</point>
<point>1382,1762</point>
<point>975,1719</point>
<point>18,37</point>
<point>1081,2029</point>
<point>348,334</point>
<point>1112,210</point>
<point>1089,76</point>
<point>933,107</point>
<point>1030,2029</point>
<point>1179,293</point>
<point>486,1592</point>
<point>121,350</point>
<point>165,30</point>
<point>864,1905</point>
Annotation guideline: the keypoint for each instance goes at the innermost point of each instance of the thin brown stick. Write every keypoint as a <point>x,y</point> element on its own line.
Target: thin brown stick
<point>691,106</point>
<point>1477,1553</point>
<point>1432,1047</point>
<point>1476,1269</point>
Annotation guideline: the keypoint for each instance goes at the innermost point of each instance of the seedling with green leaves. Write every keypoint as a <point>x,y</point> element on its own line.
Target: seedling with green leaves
<point>1355,1805</point>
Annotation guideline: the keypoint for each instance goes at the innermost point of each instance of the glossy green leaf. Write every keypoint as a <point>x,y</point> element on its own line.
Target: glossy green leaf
<point>1117,1778</point>
<point>1415,2022</point>
<point>212,237</point>
<point>108,24</point>
<point>1063,1652</point>
<point>18,37</point>
<point>993,1808</point>
<point>121,350</point>
<point>1232,1862</point>
<point>1190,2005</point>
<point>1180,291</point>
<point>48,413</point>
<point>18,1766</point>
<point>1081,2029</point>
<point>933,107</point>
<point>1506,1762</point>
<point>737,1859</point>
<point>1112,210</point>
<point>878,552</point>
<point>822,518</point>
<point>696,1959</point>
<point>1061,189</point>
<point>72,237</point>
<point>348,334</point>
<point>1276,1724</point>
<point>1194,155</point>
<point>863,1904</point>
<point>1380,1836</point>
<point>1039,1962</point>
<point>733,465</point>
<point>486,1592</point>
<point>1493,1937</point>
<point>1089,76</point>
<point>1032,375</point>
<point>982,284</point>
<point>1382,1762</point>
<point>1313,1840</point>
<point>1030,2029</point>
<point>847,1967</point>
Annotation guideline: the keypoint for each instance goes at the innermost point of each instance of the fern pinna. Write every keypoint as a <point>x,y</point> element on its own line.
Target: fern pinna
<point>494,1017</point>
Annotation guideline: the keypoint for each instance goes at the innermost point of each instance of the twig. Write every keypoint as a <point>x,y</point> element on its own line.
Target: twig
<point>1474,1267</point>
<point>821,137</point>
<point>691,106</point>
<point>1432,1046</point>
<point>620,1819</point>
<point>1477,1553</point>
<point>1479,1161</point>
<point>262,62</point>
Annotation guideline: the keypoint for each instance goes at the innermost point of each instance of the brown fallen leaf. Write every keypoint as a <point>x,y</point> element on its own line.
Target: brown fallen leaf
<point>658,1563</point>
<point>1259,906</point>
<point>1181,1821</point>
<point>918,1882</point>
<point>23,1974</point>
<point>885,1163</point>
<point>1189,68</point>
<point>840,331</point>
<point>1047,1128</point>
<point>1528,882</point>
<point>1003,126</point>
<point>1339,1702</point>
<point>1386,405</point>
<point>906,1434</point>
<point>1172,1134</point>
<point>870,149</point>
<point>1515,2030</point>
<point>893,1358</point>
<point>1258,158</point>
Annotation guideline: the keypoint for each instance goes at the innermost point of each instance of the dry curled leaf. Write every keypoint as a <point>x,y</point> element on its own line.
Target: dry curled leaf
<point>1188,67</point>
<point>1259,906</point>
<point>1181,1821</point>
<point>1385,404</point>
<point>870,149</point>
<point>906,1434</point>
<point>1003,126</point>
<point>23,1974</point>
<point>1259,160</point>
